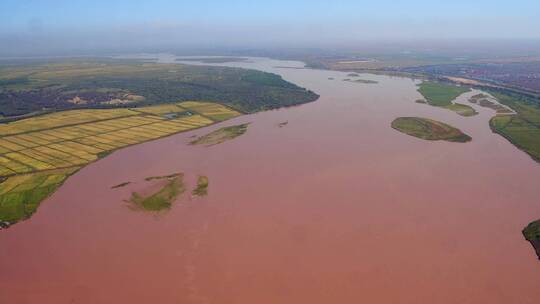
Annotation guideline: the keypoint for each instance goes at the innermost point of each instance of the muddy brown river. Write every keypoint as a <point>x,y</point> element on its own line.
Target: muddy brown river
<point>333,207</point>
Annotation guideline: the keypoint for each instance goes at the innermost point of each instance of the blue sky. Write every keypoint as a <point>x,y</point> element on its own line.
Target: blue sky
<point>58,14</point>
<point>97,23</point>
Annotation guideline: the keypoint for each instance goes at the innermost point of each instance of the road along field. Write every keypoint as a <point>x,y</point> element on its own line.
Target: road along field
<point>37,154</point>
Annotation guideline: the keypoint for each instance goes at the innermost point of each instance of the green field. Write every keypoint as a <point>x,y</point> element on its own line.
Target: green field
<point>532,234</point>
<point>429,129</point>
<point>442,95</point>
<point>523,128</point>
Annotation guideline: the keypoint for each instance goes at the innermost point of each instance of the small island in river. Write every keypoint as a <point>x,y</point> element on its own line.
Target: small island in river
<point>202,186</point>
<point>429,129</point>
<point>532,234</point>
<point>221,135</point>
<point>170,187</point>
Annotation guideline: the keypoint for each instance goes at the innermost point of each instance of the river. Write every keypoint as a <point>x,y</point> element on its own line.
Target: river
<point>333,207</point>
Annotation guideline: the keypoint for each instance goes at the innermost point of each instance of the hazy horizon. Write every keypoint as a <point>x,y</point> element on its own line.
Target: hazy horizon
<point>84,27</point>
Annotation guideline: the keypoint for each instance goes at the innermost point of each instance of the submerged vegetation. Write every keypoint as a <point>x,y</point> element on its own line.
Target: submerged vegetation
<point>442,95</point>
<point>221,135</point>
<point>429,129</point>
<point>532,234</point>
<point>162,199</point>
<point>202,186</point>
<point>522,128</point>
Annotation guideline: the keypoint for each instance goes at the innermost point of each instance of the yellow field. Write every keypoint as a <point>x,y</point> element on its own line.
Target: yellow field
<point>74,138</point>
<point>209,109</point>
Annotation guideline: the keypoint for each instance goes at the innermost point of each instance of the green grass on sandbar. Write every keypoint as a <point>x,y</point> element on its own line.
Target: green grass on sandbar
<point>429,129</point>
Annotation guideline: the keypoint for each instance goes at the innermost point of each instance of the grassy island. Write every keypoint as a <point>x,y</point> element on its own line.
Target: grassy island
<point>442,95</point>
<point>221,135</point>
<point>429,129</point>
<point>532,234</point>
<point>202,186</point>
<point>163,198</point>
<point>364,81</point>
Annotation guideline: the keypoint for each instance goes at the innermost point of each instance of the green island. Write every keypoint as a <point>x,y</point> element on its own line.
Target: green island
<point>364,81</point>
<point>202,186</point>
<point>532,234</point>
<point>170,176</point>
<point>59,116</point>
<point>522,129</point>
<point>429,129</point>
<point>121,185</point>
<point>442,95</point>
<point>221,135</point>
<point>162,199</point>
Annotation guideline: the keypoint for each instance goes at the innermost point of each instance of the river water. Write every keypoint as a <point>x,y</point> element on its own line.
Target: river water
<point>333,207</point>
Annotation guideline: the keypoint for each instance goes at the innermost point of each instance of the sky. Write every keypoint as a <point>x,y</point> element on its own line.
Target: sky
<point>54,25</point>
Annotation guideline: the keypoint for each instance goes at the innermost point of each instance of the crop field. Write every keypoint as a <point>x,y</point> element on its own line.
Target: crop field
<point>37,148</point>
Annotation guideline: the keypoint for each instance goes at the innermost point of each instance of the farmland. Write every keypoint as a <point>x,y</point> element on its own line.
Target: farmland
<point>429,129</point>
<point>442,95</point>
<point>36,154</point>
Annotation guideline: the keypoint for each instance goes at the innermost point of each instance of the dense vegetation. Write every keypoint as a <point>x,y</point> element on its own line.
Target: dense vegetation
<point>429,129</point>
<point>442,95</point>
<point>522,128</point>
<point>98,84</point>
